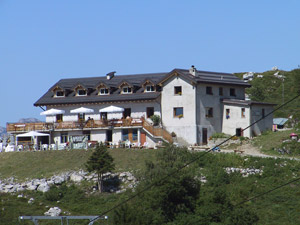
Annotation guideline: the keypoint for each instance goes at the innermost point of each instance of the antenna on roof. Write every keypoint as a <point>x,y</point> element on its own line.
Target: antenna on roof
<point>110,75</point>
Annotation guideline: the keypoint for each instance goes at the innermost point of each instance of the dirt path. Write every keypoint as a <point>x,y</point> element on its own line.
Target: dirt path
<point>248,149</point>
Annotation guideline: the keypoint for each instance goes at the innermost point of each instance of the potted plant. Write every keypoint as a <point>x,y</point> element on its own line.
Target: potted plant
<point>155,119</point>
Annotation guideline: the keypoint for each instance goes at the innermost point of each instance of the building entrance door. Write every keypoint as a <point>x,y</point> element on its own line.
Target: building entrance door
<point>109,135</point>
<point>239,132</point>
<point>143,137</point>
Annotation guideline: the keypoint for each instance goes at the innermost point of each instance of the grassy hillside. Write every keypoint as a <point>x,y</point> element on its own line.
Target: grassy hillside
<point>270,88</point>
<point>39,164</point>
<point>278,207</point>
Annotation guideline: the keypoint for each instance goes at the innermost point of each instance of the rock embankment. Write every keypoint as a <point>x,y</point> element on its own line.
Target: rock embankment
<point>244,171</point>
<point>115,182</point>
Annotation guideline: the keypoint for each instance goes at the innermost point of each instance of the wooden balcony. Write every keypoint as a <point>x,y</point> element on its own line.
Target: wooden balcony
<point>72,125</point>
<point>25,127</point>
<point>90,124</point>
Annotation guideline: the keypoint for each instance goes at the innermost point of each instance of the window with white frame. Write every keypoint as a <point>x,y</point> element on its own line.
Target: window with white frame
<point>126,90</point>
<point>149,88</point>
<point>103,91</point>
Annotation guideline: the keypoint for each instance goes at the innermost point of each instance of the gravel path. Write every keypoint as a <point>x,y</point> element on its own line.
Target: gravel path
<point>250,150</point>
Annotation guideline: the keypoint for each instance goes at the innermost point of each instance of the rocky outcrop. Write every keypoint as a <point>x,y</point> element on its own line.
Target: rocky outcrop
<point>244,171</point>
<point>114,182</point>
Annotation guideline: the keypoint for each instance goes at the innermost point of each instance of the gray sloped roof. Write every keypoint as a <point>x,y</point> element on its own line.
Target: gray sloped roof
<point>92,82</point>
<point>135,80</point>
<point>214,78</point>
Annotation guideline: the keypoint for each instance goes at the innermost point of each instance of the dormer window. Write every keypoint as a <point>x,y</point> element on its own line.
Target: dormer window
<point>81,92</point>
<point>149,88</point>
<point>126,90</point>
<point>60,94</point>
<point>103,91</point>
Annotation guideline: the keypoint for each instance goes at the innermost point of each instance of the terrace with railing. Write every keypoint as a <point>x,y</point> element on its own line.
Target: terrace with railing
<point>89,124</point>
<point>67,125</point>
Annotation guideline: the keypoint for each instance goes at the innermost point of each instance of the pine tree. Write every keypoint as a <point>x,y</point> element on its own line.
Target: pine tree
<point>100,162</point>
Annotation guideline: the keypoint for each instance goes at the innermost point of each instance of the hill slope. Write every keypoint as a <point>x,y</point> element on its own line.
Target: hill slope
<point>269,88</point>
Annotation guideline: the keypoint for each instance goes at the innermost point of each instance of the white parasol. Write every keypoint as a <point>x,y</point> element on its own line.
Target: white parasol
<point>52,112</point>
<point>82,110</point>
<point>112,109</point>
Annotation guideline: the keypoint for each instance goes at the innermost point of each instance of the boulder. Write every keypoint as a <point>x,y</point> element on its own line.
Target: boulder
<point>30,201</point>
<point>31,187</point>
<point>58,179</point>
<point>55,211</point>
<point>76,177</point>
<point>44,187</point>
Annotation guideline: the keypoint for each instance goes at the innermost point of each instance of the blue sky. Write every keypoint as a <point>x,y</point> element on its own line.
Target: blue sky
<point>44,41</point>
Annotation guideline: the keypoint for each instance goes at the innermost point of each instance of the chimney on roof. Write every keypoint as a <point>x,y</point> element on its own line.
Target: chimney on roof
<point>193,70</point>
<point>110,75</point>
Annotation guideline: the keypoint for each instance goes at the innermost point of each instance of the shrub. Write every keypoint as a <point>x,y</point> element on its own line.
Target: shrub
<point>220,135</point>
<point>155,119</point>
<point>54,194</point>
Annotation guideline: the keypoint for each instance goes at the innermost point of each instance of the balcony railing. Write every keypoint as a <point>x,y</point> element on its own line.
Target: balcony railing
<point>90,124</point>
<point>157,131</point>
<point>67,125</point>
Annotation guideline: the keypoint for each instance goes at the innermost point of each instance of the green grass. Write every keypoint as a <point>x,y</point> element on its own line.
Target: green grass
<point>278,207</point>
<point>41,164</point>
<point>270,140</point>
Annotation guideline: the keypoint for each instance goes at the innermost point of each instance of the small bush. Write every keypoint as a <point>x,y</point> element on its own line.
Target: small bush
<point>155,119</point>
<point>54,194</point>
<point>220,135</point>
<point>243,138</point>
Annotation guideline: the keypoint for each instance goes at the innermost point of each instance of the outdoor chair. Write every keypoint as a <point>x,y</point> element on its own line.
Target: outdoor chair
<point>20,148</point>
<point>53,146</point>
<point>44,147</point>
<point>136,145</point>
<point>127,144</point>
<point>145,145</point>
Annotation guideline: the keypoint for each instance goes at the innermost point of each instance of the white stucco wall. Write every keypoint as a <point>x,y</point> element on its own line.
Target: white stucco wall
<point>98,135</point>
<point>236,120</point>
<point>184,127</point>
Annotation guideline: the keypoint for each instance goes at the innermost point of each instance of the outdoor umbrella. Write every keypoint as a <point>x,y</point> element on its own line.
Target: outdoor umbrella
<point>52,112</point>
<point>82,110</point>
<point>112,109</point>
<point>32,134</point>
